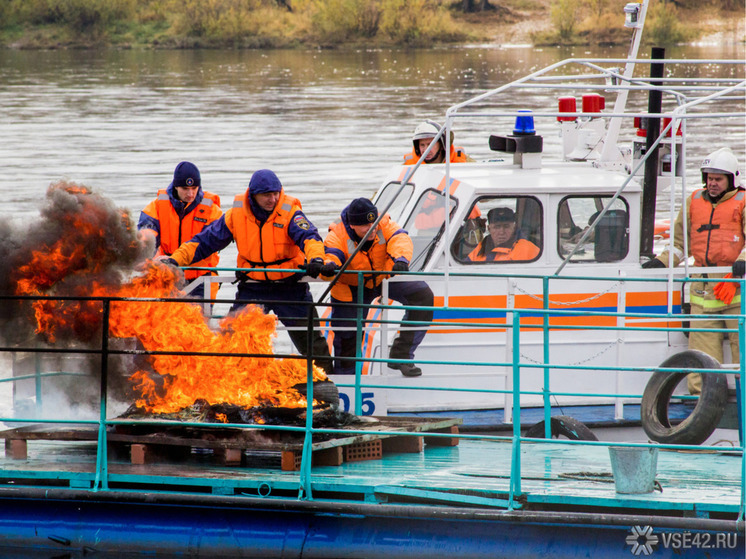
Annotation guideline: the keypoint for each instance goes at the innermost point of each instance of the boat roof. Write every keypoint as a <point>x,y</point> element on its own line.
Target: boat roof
<point>499,176</point>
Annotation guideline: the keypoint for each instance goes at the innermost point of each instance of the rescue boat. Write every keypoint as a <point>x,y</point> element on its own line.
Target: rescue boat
<point>594,183</point>
<point>580,322</point>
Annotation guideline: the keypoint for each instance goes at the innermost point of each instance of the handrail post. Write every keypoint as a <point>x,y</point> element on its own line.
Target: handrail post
<point>101,457</point>
<point>37,385</point>
<point>307,454</point>
<point>741,400</point>
<point>358,344</point>
<point>515,466</point>
<point>547,403</point>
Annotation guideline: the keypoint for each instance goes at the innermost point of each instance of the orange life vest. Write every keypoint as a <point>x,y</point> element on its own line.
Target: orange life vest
<point>716,231</point>
<point>266,245</point>
<point>521,250</point>
<point>458,155</point>
<point>175,231</point>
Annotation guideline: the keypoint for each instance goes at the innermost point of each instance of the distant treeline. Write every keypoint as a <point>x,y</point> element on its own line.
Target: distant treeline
<point>283,23</point>
<point>239,23</point>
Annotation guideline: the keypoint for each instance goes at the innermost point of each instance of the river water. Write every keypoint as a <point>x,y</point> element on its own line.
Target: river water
<point>329,123</point>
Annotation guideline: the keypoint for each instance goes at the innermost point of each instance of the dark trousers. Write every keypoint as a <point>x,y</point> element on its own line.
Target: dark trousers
<point>278,297</point>
<point>414,293</point>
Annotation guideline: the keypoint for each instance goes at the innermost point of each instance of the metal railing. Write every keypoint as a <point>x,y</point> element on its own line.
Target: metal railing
<point>516,365</point>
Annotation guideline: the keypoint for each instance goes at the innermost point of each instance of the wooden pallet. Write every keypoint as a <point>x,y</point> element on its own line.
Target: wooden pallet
<point>148,444</point>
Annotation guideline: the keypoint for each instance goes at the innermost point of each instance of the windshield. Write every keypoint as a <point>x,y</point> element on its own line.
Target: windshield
<point>388,192</point>
<point>425,224</point>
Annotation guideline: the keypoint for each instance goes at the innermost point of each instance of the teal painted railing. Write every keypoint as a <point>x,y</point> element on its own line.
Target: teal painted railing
<point>305,484</point>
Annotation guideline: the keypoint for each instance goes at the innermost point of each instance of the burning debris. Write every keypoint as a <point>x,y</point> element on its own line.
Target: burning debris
<point>84,246</point>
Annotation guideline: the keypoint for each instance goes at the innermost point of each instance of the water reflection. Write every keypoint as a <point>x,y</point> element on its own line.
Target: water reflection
<point>329,123</point>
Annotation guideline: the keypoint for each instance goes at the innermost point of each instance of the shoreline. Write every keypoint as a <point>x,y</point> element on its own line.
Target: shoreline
<point>509,25</point>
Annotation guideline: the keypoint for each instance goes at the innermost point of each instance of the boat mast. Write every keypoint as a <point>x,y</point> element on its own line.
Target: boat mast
<point>610,156</point>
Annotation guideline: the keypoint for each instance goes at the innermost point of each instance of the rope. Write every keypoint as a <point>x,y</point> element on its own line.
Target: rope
<point>562,303</point>
<point>592,357</point>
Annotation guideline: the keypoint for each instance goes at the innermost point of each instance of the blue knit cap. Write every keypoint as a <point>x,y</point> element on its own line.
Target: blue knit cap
<point>186,174</point>
<point>361,211</point>
<point>263,181</point>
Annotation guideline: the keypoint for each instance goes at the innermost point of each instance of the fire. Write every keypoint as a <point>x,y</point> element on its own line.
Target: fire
<point>78,262</point>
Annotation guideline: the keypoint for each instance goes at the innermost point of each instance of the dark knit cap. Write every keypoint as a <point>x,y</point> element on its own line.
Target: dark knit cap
<point>496,215</point>
<point>361,211</point>
<point>187,174</point>
<point>263,181</point>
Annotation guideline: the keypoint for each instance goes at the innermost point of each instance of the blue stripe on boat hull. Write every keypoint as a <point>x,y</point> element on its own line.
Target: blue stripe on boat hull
<point>202,526</point>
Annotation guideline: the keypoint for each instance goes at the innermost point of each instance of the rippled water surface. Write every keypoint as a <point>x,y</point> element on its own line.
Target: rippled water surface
<point>329,123</point>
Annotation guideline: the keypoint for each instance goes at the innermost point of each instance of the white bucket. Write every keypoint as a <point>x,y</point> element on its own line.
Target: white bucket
<point>634,468</point>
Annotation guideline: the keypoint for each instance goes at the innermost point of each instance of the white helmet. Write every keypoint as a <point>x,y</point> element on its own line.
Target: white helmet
<point>426,129</point>
<point>721,161</point>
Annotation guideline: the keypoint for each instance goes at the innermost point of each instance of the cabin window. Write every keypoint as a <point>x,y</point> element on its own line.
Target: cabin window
<point>497,230</point>
<point>608,241</point>
<point>388,193</point>
<point>425,224</point>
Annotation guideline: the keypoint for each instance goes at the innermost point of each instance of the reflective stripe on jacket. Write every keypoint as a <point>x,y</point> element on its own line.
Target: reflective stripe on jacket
<point>389,244</point>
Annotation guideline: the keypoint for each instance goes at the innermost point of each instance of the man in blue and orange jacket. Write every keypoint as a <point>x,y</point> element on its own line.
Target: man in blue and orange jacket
<point>270,231</point>
<point>388,248</point>
<point>177,214</point>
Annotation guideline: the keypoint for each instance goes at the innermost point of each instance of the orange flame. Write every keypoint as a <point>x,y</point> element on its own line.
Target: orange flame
<point>159,325</point>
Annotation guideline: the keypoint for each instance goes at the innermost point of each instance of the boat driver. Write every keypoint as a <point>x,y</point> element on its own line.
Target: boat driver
<point>423,135</point>
<point>505,240</point>
<point>716,230</point>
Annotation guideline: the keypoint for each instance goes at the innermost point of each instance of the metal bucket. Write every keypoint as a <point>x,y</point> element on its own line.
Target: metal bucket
<point>634,468</point>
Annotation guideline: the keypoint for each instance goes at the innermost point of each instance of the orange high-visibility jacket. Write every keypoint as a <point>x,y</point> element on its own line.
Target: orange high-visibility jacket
<point>174,230</point>
<point>389,243</point>
<point>268,245</point>
<point>458,155</point>
<point>522,250</point>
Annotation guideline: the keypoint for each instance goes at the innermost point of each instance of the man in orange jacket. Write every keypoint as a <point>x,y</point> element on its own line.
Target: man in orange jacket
<point>505,241</point>
<point>713,220</point>
<point>270,231</point>
<point>177,214</point>
<point>388,248</point>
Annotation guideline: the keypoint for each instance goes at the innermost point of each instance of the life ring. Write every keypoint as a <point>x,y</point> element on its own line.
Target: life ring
<point>706,414</point>
<point>662,229</point>
<point>562,426</point>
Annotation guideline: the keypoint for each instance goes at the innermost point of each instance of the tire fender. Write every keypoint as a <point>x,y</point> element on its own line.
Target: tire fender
<point>706,415</point>
<point>562,425</point>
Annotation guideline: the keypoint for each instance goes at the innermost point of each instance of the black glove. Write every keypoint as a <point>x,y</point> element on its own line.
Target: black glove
<point>739,268</point>
<point>314,267</point>
<point>329,269</point>
<point>171,262</point>
<point>400,266</point>
<point>654,263</point>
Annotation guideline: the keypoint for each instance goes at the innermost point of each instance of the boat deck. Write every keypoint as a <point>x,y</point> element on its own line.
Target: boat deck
<point>475,473</point>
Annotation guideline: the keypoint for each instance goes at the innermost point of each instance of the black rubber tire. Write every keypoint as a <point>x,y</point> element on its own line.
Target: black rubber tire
<point>323,391</point>
<point>562,426</point>
<point>706,415</point>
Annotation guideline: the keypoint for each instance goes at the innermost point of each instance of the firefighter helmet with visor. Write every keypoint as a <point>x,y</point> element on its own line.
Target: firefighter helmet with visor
<point>721,161</point>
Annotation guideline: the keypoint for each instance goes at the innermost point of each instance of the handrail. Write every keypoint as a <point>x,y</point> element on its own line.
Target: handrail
<point>516,364</point>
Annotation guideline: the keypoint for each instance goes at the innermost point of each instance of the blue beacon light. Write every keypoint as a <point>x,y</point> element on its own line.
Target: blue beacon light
<point>524,123</point>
